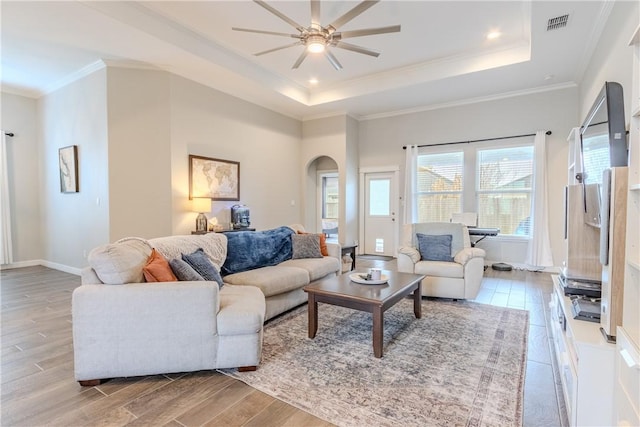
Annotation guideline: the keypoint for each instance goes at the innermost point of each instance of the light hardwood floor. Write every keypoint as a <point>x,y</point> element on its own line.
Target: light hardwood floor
<point>37,385</point>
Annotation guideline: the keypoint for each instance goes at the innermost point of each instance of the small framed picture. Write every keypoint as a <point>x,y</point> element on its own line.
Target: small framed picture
<point>68,163</point>
<point>216,179</point>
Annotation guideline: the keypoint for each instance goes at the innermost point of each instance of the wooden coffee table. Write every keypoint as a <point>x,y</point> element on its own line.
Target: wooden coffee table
<point>375,299</point>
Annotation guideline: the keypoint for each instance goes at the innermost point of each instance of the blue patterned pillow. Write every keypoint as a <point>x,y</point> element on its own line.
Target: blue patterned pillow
<point>203,265</point>
<point>434,247</point>
<point>183,271</point>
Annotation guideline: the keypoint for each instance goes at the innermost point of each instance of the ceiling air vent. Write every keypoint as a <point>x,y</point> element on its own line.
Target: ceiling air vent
<point>557,22</point>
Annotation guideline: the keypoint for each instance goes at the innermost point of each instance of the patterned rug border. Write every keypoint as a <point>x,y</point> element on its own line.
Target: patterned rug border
<point>475,415</point>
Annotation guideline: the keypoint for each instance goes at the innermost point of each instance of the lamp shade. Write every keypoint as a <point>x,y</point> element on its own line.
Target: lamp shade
<point>201,205</point>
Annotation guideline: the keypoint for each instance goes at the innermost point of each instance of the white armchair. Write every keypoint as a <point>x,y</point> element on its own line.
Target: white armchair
<point>460,278</point>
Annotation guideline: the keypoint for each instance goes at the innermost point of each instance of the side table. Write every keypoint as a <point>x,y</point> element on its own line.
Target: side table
<point>350,250</point>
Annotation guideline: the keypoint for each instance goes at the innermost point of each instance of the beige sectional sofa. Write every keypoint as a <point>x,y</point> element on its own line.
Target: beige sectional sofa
<point>131,328</point>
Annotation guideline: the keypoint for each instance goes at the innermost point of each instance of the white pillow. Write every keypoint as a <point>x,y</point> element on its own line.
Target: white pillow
<point>120,262</point>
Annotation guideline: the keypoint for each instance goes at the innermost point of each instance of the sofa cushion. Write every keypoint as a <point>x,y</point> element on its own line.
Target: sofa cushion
<point>157,269</point>
<point>120,262</point>
<point>439,269</point>
<point>316,267</point>
<point>434,247</point>
<point>213,244</point>
<point>199,261</point>
<point>305,246</point>
<point>271,280</point>
<point>242,310</point>
<point>247,250</point>
<point>183,271</point>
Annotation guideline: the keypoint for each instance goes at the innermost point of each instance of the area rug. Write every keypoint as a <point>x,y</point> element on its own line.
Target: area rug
<point>461,364</point>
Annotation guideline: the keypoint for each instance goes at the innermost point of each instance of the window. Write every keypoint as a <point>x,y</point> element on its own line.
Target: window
<point>330,196</point>
<point>439,187</point>
<point>379,197</point>
<point>496,182</point>
<point>504,189</point>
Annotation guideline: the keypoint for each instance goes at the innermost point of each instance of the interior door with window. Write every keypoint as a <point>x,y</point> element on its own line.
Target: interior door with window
<point>380,216</point>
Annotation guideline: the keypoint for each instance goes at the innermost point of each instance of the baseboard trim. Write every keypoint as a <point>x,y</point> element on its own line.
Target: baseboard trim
<point>67,269</point>
<point>21,264</point>
<point>49,264</point>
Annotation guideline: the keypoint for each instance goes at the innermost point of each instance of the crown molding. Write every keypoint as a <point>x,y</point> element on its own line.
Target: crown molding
<point>76,75</point>
<point>469,101</point>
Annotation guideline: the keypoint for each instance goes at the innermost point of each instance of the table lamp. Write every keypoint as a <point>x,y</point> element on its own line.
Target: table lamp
<point>201,205</point>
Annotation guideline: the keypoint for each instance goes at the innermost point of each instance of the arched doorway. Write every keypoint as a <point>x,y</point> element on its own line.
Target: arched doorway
<point>323,194</point>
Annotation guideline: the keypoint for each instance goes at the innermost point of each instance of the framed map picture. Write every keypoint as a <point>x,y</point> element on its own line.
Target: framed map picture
<point>68,164</point>
<point>214,178</point>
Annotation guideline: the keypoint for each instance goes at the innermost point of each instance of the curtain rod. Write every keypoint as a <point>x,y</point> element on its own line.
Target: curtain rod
<point>404,147</point>
<point>9,133</point>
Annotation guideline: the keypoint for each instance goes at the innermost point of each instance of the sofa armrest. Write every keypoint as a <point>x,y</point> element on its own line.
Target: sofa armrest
<point>407,259</point>
<point>134,304</point>
<point>411,252</point>
<point>88,276</point>
<point>334,250</point>
<point>117,327</point>
<point>463,256</point>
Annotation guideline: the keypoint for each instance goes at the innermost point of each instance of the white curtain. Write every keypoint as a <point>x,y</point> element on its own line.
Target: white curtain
<point>410,183</point>
<point>6,247</point>
<point>539,253</point>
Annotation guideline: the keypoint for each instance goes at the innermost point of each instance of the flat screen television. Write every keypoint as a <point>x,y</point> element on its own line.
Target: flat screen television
<point>603,145</point>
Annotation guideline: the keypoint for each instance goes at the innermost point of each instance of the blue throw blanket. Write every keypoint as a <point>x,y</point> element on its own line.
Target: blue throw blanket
<point>247,250</point>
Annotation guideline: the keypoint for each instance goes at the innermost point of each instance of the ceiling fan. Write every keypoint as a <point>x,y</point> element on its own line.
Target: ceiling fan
<point>317,38</point>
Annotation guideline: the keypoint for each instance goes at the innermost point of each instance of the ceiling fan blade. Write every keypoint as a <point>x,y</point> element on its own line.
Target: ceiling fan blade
<point>273,33</point>
<point>315,12</point>
<point>334,61</point>
<point>277,48</point>
<point>280,15</point>
<point>354,48</point>
<point>357,10</point>
<point>368,32</point>
<point>301,58</point>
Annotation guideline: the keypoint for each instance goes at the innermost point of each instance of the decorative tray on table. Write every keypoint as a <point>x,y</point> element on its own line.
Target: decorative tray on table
<point>362,279</point>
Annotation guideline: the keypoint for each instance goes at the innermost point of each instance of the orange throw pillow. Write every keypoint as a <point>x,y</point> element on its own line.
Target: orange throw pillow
<point>323,243</point>
<point>157,269</point>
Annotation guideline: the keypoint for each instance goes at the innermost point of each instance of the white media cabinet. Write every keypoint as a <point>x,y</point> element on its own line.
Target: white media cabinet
<point>585,361</point>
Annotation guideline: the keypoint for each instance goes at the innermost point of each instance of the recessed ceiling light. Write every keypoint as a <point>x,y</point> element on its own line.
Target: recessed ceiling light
<point>314,81</point>
<point>493,35</point>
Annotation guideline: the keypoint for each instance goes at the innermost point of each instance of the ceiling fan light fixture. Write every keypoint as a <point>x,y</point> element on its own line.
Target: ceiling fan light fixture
<point>316,43</point>
<point>317,38</point>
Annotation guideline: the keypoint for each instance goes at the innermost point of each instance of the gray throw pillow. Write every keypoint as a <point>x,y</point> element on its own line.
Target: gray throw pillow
<point>434,247</point>
<point>305,246</point>
<point>203,265</point>
<point>183,271</point>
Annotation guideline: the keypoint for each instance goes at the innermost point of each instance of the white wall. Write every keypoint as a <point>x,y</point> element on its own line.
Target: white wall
<point>210,123</point>
<point>612,59</point>
<point>19,115</point>
<point>352,179</point>
<point>73,224</point>
<point>139,153</point>
<point>381,142</point>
